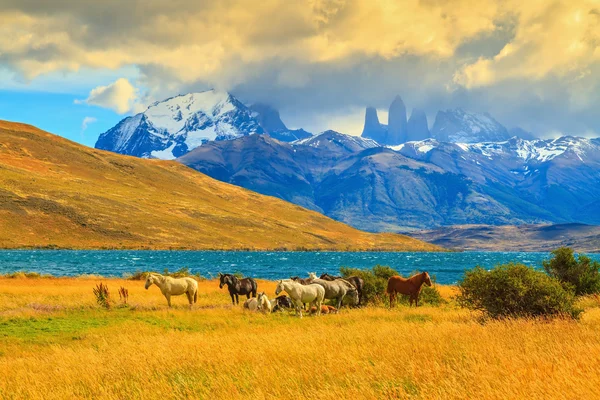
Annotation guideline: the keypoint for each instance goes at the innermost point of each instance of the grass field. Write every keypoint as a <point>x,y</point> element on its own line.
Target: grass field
<point>56,343</point>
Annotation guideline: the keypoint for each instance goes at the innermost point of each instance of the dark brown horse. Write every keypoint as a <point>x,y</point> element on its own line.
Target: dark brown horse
<point>282,302</point>
<point>246,286</point>
<point>303,281</point>
<point>358,283</point>
<point>409,286</point>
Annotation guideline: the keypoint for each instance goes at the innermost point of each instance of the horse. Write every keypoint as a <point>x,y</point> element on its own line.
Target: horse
<point>280,303</point>
<point>410,286</point>
<point>325,309</point>
<point>251,304</point>
<point>358,283</point>
<point>301,294</point>
<point>174,287</point>
<point>246,286</point>
<point>264,304</point>
<point>338,289</point>
<point>304,281</point>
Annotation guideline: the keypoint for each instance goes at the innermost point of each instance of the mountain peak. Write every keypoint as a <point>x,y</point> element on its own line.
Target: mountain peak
<point>172,127</point>
<point>417,128</point>
<point>397,124</point>
<point>460,126</point>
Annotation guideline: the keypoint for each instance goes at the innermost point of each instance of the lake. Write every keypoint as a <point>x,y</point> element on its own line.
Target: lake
<point>447,267</point>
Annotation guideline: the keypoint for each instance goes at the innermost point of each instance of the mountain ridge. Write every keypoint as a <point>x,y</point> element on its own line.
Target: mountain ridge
<point>58,194</point>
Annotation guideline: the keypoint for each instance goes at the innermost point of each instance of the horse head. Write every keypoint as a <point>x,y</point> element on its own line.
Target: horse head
<point>426,278</point>
<point>224,279</point>
<point>312,275</point>
<point>279,287</point>
<point>149,281</point>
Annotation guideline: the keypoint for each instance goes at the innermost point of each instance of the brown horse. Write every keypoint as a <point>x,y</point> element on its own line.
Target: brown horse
<point>411,286</point>
<point>325,309</point>
<point>246,286</point>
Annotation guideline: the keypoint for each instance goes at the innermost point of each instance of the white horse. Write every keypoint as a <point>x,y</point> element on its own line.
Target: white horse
<point>174,287</point>
<point>301,294</point>
<point>264,304</point>
<point>251,304</point>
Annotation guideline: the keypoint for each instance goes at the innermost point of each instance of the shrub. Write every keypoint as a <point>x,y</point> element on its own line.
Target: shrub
<point>375,281</point>
<point>577,274</point>
<point>123,295</point>
<point>102,295</point>
<point>515,290</point>
<point>180,273</point>
<point>374,291</point>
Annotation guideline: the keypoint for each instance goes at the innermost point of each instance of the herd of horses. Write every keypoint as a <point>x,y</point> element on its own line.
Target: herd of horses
<point>302,293</point>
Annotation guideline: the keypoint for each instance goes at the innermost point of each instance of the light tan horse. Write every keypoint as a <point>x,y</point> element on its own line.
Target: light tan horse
<point>174,287</point>
<point>264,304</point>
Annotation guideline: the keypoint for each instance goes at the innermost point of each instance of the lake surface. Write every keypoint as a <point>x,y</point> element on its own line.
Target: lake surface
<point>447,267</point>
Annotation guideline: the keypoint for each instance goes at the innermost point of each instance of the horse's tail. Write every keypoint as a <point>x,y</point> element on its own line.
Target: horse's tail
<point>254,287</point>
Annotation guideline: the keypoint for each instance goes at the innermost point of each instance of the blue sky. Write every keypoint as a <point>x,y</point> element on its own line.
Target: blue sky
<point>57,113</point>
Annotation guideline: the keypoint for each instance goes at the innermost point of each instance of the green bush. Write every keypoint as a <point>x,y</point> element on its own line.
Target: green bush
<point>376,278</point>
<point>375,282</point>
<point>515,290</point>
<point>577,274</point>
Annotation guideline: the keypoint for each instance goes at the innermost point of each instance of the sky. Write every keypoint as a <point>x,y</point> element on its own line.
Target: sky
<point>77,67</point>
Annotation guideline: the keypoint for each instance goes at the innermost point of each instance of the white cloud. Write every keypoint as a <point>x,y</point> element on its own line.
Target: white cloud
<point>86,121</point>
<point>119,96</point>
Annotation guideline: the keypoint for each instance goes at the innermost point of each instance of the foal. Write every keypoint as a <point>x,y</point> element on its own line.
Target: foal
<point>411,286</point>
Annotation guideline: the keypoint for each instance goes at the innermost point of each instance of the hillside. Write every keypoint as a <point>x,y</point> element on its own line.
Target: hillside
<point>56,193</point>
<point>581,237</point>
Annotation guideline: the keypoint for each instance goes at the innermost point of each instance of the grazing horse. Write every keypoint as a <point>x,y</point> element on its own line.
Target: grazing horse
<point>246,286</point>
<point>174,287</point>
<point>410,286</point>
<point>264,304</point>
<point>282,302</point>
<point>301,294</point>
<point>358,283</point>
<point>338,289</point>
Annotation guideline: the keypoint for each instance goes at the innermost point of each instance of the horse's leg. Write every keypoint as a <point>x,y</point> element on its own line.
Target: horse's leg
<point>392,298</point>
<point>237,299</point>
<point>232,298</point>
<point>318,304</point>
<point>190,299</point>
<point>168,296</point>
<point>339,304</point>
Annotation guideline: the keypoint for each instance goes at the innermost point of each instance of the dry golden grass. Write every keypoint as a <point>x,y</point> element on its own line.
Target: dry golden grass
<point>55,343</point>
<point>57,193</point>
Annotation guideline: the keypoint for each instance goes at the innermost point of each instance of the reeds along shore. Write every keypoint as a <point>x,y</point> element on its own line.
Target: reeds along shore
<point>56,342</point>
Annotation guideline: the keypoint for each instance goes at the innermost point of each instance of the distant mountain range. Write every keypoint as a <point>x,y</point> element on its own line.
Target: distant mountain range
<point>57,193</point>
<point>581,238</point>
<point>378,182</point>
<point>456,126</point>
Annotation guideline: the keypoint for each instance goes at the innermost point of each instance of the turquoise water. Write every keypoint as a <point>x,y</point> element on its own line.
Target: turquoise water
<point>447,267</point>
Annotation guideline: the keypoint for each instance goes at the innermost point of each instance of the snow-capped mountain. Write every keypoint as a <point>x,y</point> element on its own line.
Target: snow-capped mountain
<point>529,151</point>
<point>170,128</point>
<point>335,141</point>
<point>459,126</point>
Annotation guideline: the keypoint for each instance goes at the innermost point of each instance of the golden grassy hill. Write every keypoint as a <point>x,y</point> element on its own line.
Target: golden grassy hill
<point>56,193</point>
